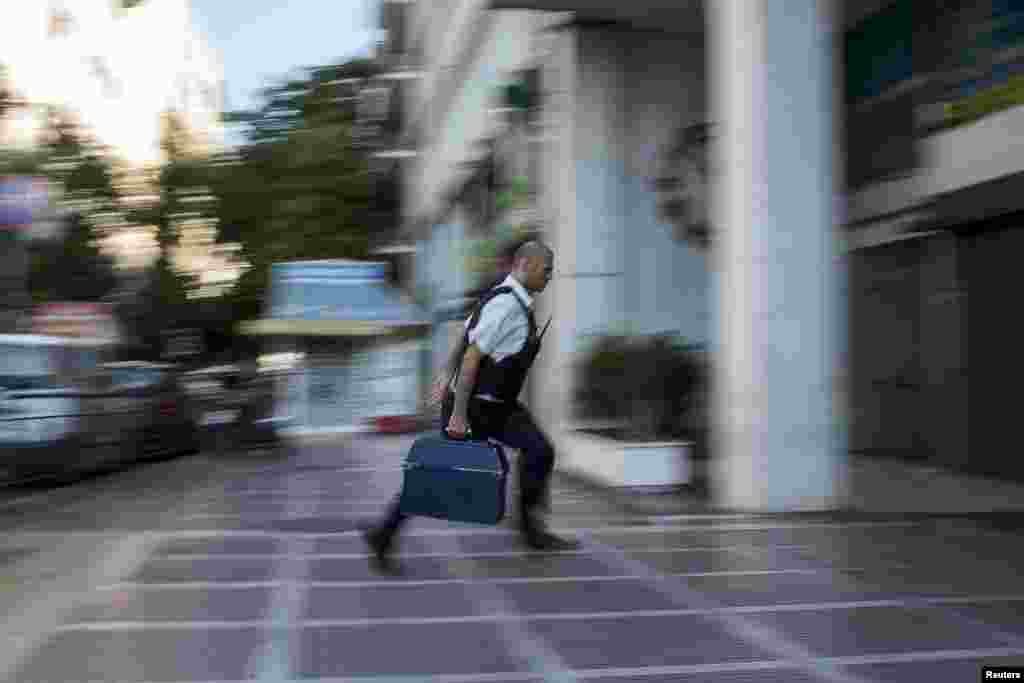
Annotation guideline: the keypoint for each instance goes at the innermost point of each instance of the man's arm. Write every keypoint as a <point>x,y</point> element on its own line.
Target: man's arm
<point>444,378</point>
<point>464,387</point>
<point>453,361</point>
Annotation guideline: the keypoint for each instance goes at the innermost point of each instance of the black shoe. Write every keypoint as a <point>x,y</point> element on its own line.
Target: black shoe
<point>548,542</point>
<point>380,552</point>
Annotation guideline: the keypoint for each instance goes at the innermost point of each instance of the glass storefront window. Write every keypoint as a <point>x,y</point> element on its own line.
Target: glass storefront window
<point>879,51</point>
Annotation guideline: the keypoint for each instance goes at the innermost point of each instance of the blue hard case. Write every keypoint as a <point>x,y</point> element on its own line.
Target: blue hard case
<point>457,480</point>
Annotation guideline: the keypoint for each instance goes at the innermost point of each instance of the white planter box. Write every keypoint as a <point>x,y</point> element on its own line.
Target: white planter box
<point>652,465</point>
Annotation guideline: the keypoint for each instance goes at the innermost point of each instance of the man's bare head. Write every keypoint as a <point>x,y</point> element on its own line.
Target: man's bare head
<point>533,264</point>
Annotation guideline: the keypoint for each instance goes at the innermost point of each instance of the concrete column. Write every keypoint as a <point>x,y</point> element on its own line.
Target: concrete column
<point>551,391</point>
<point>777,445</point>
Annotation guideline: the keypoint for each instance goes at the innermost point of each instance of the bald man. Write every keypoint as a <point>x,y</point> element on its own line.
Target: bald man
<point>481,396</point>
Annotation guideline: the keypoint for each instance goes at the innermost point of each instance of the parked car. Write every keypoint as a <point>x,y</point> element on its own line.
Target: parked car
<point>236,409</point>
<point>65,411</point>
<point>165,417</point>
<point>54,419</point>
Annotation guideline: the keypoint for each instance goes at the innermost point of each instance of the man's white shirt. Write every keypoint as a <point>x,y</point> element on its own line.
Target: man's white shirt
<point>503,327</point>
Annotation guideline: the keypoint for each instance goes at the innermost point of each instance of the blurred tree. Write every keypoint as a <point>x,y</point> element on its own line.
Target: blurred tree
<point>104,198</point>
<point>83,169</point>
<point>175,192</point>
<point>160,305</point>
<point>167,199</point>
<point>299,186</point>
<point>72,268</point>
<point>6,96</point>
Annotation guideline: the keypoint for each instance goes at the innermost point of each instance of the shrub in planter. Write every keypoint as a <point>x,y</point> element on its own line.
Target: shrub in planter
<point>651,384</point>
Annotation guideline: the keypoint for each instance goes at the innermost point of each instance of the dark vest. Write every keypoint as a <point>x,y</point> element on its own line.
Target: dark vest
<point>504,379</point>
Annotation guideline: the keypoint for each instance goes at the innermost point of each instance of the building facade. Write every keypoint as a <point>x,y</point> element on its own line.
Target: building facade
<point>614,91</point>
<point>807,189</point>
<point>933,224</point>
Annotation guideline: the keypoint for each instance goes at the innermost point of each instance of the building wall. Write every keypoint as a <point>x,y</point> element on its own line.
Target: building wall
<point>478,50</point>
<point>600,163</point>
<point>443,272</point>
<point>666,280</point>
<point>611,100</point>
<point>951,160</point>
<point>456,119</point>
<point>944,360</point>
<point>933,386</point>
<point>630,92</point>
<point>887,379</point>
<point>987,149</point>
<point>928,389</point>
<point>446,246</point>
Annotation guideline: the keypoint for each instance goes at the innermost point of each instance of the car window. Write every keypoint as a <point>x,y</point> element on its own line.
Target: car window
<point>134,378</point>
<point>26,367</point>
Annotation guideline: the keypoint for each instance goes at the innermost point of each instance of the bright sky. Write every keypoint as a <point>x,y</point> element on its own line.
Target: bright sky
<point>261,40</point>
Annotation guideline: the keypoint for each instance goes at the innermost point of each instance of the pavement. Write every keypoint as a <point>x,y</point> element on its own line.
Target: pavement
<point>251,567</point>
<point>875,488</point>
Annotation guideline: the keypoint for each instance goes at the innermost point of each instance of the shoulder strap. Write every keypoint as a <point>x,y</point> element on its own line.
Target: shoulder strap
<point>483,302</point>
<point>526,309</point>
<point>495,292</point>
<point>474,319</point>
<point>546,325</point>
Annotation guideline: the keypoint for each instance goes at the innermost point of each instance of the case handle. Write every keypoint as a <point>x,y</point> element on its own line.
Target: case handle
<point>467,437</point>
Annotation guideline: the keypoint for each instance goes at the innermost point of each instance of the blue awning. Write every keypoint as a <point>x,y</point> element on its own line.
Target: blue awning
<point>335,298</point>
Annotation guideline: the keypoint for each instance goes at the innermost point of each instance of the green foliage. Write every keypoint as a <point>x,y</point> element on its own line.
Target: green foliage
<point>998,98</point>
<point>517,194</point>
<point>161,305</point>
<point>6,94</point>
<point>182,191</point>
<point>18,162</point>
<point>298,188</point>
<point>651,383</point>
<point>81,168</point>
<point>71,269</point>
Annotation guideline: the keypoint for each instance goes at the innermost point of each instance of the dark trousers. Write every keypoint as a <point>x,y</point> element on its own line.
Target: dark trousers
<point>513,426</point>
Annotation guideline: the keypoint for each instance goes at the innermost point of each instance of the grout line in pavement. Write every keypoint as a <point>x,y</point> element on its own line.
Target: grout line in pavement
<point>706,611</point>
<point>534,650</point>
<point>732,619</point>
<point>189,585</point>
<point>475,530</point>
<point>189,557</point>
<point>289,596</point>
<point>913,657</point>
<point>286,606</point>
<point>399,583</point>
<point>34,622</point>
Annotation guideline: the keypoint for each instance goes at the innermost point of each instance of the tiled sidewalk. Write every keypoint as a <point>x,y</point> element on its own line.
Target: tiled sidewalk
<point>263,576</point>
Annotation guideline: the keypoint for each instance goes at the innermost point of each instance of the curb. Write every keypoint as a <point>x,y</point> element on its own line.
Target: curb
<point>684,500</point>
<point>683,504</point>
